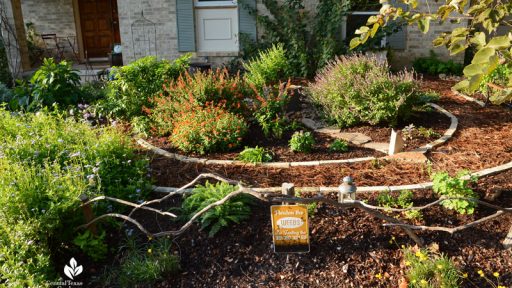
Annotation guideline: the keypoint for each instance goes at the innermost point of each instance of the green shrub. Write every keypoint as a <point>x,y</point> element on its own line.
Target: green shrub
<point>5,94</point>
<point>207,129</point>
<point>52,83</point>
<point>199,89</point>
<point>427,270</point>
<point>270,110</point>
<point>47,162</point>
<point>268,68</point>
<point>432,65</point>
<point>302,142</point>
<point>234,210</point>
<point>360,89</point>
<point>457,186</point>
<point>339,146</point>
<point>5,71</point>
<point>255,155</point>
<point>146,266</point>
<point>136,83</point>
<point>501,76</point>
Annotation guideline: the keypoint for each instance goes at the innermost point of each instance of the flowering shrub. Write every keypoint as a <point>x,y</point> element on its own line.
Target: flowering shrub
<point>361,89</point>
<point>270,109</point>
<point>207,129</point>
<point>47,162</point>
<point>199,89</point>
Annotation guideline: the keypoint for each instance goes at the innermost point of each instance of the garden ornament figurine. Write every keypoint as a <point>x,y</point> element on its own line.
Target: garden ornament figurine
<point>347,190</point>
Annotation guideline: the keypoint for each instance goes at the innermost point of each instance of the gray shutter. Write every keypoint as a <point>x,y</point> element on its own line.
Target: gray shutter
<point>186,27</point>
<point>398,40</point>
<point>247,18</point>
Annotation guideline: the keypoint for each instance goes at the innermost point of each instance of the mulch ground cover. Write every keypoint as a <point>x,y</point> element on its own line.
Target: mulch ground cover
<point>350,247</point>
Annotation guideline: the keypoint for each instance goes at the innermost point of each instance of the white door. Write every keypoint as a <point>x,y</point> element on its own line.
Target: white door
<point>217,29</point>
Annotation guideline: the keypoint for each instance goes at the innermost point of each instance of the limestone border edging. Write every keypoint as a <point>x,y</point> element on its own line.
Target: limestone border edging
<point>423,149</point>
<point>471,99</point>
<point>448,134</point>
<point>363,189</point>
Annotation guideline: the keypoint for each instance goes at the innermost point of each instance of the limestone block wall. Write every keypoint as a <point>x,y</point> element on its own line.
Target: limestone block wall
<point>162,13</point>
<point>50,16</point>
<point>420,45</point>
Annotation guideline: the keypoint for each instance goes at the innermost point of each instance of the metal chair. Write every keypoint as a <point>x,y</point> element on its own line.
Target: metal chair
<point>52,46</point>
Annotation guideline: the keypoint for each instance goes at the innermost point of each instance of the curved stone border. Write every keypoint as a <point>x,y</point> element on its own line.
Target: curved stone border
<point>471,99</point>
<point>423,149</point>
<point>362,189</point>
<point>448,134</point>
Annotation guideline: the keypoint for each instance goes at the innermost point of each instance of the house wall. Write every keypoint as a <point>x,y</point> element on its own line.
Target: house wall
<point>50,16</point>
<point>420,45</point>
<point>162,13</point>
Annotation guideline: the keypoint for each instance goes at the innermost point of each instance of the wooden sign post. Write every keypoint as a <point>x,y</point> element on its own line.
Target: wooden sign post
<point>290,229</point>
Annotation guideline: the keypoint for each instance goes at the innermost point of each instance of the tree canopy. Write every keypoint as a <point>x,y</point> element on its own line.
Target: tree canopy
<point>483,16</point>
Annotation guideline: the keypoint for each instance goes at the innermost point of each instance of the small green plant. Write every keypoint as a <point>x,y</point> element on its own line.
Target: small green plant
<point>428,132</point>
<point>268,68</point>
<point>339,146</point>
<point>429,269</point>
<point>5,94</point>
<point>302,142</point>
<point>234,210</point>
<point>312,207</point>
<point>457,186</point>
<point>402,200</point>
<point>209,129</point>
<point>147,264</point>
<point>255,155</point>
<point>432,65</point>
<point>93,246</point>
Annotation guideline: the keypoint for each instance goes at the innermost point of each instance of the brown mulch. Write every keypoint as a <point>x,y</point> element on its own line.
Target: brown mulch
<point>348,248</point>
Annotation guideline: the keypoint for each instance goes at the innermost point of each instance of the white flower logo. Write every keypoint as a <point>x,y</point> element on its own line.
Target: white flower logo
<point>73,270</point>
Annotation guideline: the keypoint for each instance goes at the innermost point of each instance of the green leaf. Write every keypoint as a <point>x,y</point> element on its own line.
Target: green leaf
<point>362,30</point>
<point>478,39</point>
<point>354,42</point>
<point>498,43</point>
<point>424,24</point>
<point>462,85</point>
<point>473,69</point>
<point>483,55</point>
<point>374,30</point>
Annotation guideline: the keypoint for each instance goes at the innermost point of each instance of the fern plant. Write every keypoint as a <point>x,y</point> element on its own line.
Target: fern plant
<point>232,211</point>
<point>269,67</point>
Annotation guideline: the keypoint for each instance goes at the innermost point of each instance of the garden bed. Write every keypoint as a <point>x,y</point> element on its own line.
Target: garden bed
<point>349,248</point>
<point>432,121</point>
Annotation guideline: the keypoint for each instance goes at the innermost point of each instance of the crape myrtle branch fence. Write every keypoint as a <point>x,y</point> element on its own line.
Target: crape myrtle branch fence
<point>266,196</point>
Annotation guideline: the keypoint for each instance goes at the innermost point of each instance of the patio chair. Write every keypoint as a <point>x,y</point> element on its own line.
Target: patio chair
<point>53,48</point>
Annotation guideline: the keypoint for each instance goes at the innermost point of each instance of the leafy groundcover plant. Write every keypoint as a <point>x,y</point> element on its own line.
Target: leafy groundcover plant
<point>255,155</point>
<point>47,162</point>
<point>302,142</point>
<point>457,186</point>
<point>361,89</point>
<point>232,211</point>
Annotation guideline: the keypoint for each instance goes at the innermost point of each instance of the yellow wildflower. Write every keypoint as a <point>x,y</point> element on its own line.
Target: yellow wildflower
<point>439,266</point>
<point>423,282</point>
<point>481,273</point>
<point>378,276</point>
<point>150,251</point>
<point>500,286</point>
<point>407,263</point>
<point>496,274</point>
<point>465,275</point>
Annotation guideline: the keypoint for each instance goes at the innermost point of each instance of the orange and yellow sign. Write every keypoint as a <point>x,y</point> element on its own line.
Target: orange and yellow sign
<point>290,229</point>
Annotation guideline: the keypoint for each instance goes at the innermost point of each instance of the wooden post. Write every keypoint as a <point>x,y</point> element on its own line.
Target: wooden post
<point>21,35</point>
<point>88,214</point>
<point>288,189</point>
<point>507,243</point>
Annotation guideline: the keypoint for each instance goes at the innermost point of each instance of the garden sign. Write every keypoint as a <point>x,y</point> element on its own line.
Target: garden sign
<point>290,229</point>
